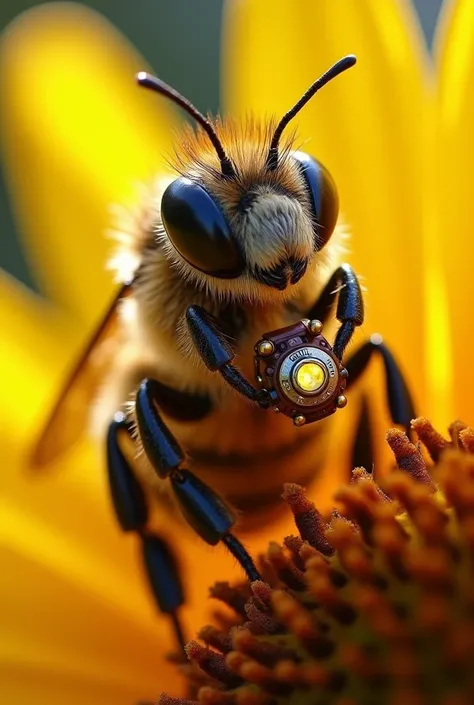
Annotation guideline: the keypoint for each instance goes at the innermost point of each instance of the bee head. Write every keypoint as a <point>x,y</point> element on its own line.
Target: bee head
<point>251,212</point>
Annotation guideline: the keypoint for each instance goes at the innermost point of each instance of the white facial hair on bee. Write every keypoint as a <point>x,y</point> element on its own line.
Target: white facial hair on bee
<point>275,227</point>
<point>236,442</point>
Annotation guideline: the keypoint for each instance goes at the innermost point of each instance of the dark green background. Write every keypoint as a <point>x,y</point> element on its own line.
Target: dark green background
<point>181,37</point>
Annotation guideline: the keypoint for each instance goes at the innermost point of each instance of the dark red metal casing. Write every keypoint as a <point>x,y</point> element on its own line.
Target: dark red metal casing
<point>294,345</point>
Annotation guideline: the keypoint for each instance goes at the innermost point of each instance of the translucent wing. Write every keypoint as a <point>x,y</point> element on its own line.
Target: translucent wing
<point>70,414</point>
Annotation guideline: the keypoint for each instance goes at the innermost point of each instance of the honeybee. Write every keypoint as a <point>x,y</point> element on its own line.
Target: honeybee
<point>244,240</point>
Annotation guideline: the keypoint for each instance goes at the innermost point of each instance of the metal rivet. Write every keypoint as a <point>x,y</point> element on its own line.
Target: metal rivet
<point>315,327</point>
<point>266,348</point>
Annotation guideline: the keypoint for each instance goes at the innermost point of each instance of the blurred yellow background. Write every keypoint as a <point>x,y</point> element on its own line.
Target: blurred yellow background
<point>76,135</point>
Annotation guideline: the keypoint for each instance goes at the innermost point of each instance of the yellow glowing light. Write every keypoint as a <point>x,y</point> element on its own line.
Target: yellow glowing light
<point>310,377</point>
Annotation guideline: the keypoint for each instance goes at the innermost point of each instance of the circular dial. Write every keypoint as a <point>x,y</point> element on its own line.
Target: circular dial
<point>308,376</point>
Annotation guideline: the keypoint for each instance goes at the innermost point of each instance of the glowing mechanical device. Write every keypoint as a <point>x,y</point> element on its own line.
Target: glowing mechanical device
<point>299,370</point>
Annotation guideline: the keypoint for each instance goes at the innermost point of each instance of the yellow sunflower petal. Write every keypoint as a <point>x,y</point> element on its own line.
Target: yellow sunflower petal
<point>33,335</point>
<point>78,135</point>
<point>454,202</point>
<point>78,624</point>
<point>76,616</point>
<point>366,126</point>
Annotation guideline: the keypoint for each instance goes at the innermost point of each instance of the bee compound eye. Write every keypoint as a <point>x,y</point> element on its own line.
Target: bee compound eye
<point>323,196</point>
<point>199,231</point>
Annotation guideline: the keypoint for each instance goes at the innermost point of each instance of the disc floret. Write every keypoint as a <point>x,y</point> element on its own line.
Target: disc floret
<point>373,606</point>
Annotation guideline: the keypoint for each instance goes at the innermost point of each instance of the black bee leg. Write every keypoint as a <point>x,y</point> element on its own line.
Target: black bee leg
<point>363,446</point>
<point>204,511</point>
<point>399,398</point>
<point>400,403</point>
<point>217,353</point>
<point>131,510</point>
<point>182,406</point>
<point>344,286</point>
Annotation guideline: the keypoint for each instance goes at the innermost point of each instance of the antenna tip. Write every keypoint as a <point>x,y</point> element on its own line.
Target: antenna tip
<point>141,76</point>
<point>350,60</point>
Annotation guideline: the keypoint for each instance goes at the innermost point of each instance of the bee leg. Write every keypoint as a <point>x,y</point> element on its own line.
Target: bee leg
<point>131,510</point>
<point>182,406</point>
<point>363,446</point>
<point>204,510</point>
<point>400,402</point>
<point>217,353</point>
<point>344,286</point>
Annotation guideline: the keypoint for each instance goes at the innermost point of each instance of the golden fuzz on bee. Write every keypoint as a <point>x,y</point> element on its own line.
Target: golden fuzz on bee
<point>246,142</point>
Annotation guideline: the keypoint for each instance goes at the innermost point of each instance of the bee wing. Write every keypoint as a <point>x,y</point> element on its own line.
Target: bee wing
<point>69,416</point>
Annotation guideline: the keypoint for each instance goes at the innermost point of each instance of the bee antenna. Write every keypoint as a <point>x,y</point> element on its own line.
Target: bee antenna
<point>149,81</point>
<point>342,65</point>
